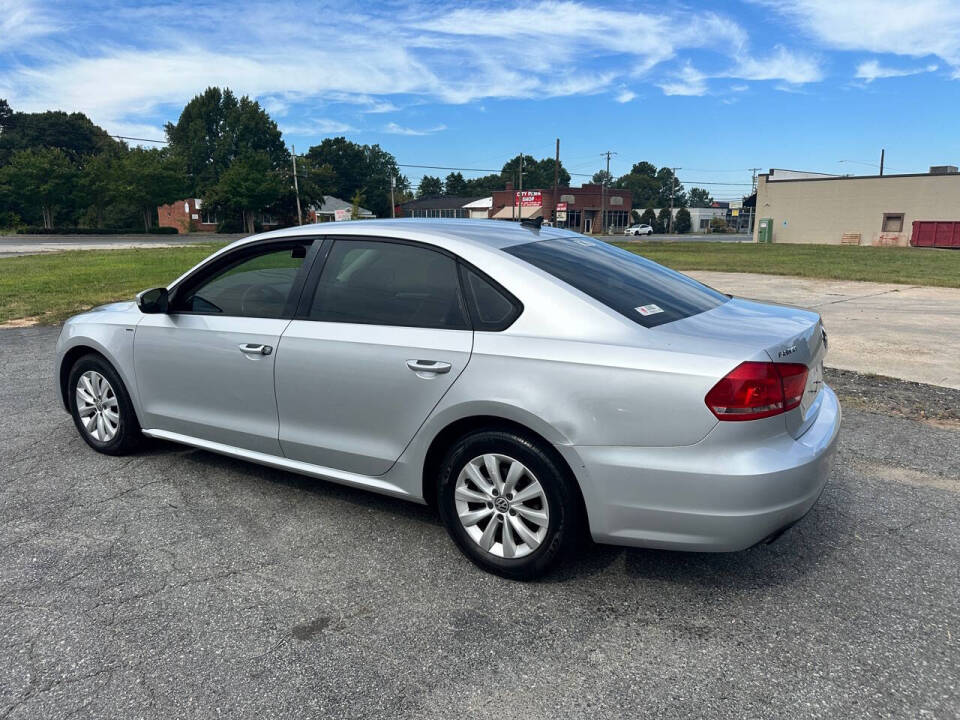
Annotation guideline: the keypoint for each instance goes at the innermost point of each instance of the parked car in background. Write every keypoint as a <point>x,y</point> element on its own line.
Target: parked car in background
<point>529,382</point>
<point>642,229</point>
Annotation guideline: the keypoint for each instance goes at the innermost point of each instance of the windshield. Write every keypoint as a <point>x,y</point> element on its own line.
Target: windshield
<point>647,293</point>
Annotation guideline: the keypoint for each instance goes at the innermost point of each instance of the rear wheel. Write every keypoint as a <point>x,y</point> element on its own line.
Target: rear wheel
<point>101,407</point>
<point>508,505</point>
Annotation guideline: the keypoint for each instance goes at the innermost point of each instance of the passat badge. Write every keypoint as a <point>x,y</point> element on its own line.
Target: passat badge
<point>787,351</point>
<point>649,310</point>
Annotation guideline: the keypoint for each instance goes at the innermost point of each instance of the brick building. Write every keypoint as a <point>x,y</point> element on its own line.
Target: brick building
<point>189,215</point>
<point>583,207</point>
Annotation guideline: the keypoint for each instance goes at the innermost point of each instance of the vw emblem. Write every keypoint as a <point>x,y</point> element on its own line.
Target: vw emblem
<point>501,504</point>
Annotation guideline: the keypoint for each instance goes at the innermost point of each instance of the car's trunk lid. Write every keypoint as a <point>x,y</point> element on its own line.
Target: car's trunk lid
<point>784,334</point>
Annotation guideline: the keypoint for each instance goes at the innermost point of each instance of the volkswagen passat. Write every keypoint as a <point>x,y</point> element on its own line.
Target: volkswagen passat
<point>530,382</point>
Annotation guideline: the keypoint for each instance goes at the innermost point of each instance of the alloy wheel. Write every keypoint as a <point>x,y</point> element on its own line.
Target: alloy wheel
<point>502,505</point>
<point>97,406</point>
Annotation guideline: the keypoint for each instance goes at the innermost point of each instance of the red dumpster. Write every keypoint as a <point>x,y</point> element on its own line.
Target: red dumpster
<point>936,233</point>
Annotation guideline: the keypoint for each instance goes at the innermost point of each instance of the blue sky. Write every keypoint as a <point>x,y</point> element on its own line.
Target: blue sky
<point>714,88</point>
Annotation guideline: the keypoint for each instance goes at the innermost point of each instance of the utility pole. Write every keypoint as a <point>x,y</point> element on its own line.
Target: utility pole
<point>603,193</point>
<point>296,186</point>
<point>882,153</point>
<point>673,192</point>
<point>393,207</point>
<point>517,194</point>
<point>753,181</point>
<point>556,179</point>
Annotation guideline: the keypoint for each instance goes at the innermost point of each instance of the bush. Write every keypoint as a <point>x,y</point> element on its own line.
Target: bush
<point>9,219</point>
<point>718,225</point>
<point>663,221</point>
<point>683,221</point>
<point>649,217</point>
<point>37,230</point>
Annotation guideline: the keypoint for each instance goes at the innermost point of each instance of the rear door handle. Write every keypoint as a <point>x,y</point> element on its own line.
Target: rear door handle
<point>254,349</point>
<point>428,366</point>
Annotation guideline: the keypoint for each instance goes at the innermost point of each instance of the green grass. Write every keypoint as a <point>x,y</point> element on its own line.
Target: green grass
<point>910,266</point>
<point>53,286</point>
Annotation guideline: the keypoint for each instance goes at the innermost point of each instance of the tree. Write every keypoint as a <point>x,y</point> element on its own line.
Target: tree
<point>485,185</point>
<point>663,221</point>
<point>683,221</point>
<point>151,177</point>
<point>430,187</point>
<point>361,167</point>
<point>641,181</point>
<point>99,186</point>
<point>536,174</point>
<point>649,217</point>
<point>669,187</point>
<point>455,185</point>
<point>215,128</point>
<point>602,177</point>
<point>74,134</point>
<point>718,225</point>
<point>699,198</point>
<point>355,202</point>
<point>251,184</point>
<point>5,114</point>
<point>41,178</point>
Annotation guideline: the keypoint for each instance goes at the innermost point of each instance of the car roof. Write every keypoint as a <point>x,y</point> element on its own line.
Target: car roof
<point>493,234</point>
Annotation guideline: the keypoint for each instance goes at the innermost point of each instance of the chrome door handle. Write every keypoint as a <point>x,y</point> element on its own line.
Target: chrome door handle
<point>254,349</point>
<point>428,366</point>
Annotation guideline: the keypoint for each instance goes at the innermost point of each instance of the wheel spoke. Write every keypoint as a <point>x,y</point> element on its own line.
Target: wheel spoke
<point>509,545</point>
<point>513,475</point>
<point>472,517</point>
<point>101,428</point>
<point>112,420</point>
<point>535,516</point>
<point>530,492</point>
<point>110,402</point>
<point>84,396</point>
<point>467,495</point>
<point>90,423</point>
<point>493,470</point>
<point>486,540</point>
<point>86,410</point>
<point>88,386</point>
<point>524,532</point>
<point>473,472</point>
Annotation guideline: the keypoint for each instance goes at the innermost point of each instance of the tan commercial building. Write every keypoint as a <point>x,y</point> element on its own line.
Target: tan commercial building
<point>868,210</point>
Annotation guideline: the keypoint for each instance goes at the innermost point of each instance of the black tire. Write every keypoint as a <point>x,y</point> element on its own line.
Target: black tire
<point>128,437</point>
<point>565,518</point>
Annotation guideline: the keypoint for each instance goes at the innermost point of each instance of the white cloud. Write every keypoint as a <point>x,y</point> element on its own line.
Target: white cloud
<point>625,96</point>
<point>781,64</point>
<point>919,28</point>
<point>317,126</point>
<point>872,70</point>
<point>21,21</point>
<point>689,81</point>
<point>394,129</point>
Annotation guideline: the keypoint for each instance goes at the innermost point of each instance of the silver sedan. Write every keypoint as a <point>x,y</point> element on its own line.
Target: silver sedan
<point>532,383</point>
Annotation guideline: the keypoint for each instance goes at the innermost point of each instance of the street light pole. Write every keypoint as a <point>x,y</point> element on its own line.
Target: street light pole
<point>393,207</point>
<point>296,186</point>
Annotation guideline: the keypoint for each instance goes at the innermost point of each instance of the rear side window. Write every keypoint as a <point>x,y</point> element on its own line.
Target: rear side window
<point>642,290</point>
<point>491,307</point>
<point>386,283</point>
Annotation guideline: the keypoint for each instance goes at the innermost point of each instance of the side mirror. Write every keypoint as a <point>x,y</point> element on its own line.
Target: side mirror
<point>153,301</point>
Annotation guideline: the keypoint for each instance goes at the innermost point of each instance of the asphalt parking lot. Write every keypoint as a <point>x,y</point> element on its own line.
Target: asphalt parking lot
<point>178,583</point>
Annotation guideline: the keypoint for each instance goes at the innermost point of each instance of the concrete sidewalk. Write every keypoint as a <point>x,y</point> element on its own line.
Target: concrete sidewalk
<point>903,331</point>
<point>14,245</point>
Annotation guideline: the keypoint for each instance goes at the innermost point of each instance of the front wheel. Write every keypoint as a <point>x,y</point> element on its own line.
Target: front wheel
<point>101,407</point>
<point>508,505</point>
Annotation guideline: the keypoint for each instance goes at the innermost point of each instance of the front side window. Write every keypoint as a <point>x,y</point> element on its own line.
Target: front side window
<point>256,284</point>
<point>642,290</point>
<point>376,282</point>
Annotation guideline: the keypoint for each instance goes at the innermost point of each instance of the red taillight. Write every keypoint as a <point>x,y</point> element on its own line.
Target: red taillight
<point>755,390</point>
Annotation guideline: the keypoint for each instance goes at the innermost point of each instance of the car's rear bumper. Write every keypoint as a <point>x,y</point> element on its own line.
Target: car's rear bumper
<point>724,493</point>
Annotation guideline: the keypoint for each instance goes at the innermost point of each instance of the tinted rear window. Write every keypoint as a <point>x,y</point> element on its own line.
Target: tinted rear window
<point>640,289</point>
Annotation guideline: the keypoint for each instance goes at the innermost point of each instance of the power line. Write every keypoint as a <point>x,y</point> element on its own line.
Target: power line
<point>124,137</point>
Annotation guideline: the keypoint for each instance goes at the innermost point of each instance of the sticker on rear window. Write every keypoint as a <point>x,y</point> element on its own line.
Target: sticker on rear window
<point>649,309</point>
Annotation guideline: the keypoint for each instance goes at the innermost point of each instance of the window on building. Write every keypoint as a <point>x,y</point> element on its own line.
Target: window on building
<point>573,219</point>
<point>209,216</point>
<point>892,222</point>
<point>385,283</point>
<point>617,218</point>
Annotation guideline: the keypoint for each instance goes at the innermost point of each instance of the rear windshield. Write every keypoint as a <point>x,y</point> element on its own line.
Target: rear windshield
<point>640,289</point>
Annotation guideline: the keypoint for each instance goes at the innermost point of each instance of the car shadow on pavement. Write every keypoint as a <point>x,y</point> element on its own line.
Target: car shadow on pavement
<point>793,555</point>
